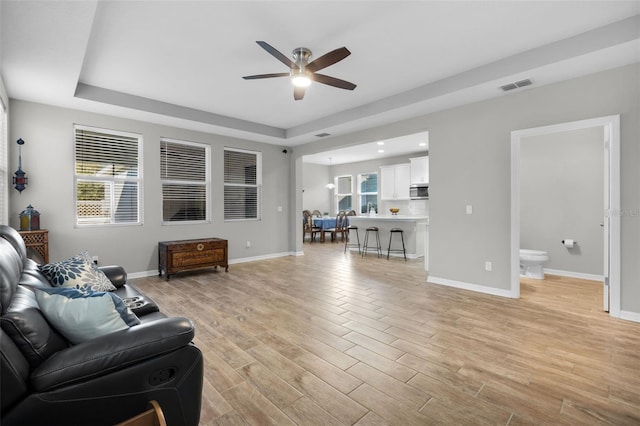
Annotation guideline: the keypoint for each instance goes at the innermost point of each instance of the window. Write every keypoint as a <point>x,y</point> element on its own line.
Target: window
<point>108,177</point>
<point>242,184</point>
<point>368,191</point>
<point>4,166</point>
<point>344,192</point>
<point>185,178</point>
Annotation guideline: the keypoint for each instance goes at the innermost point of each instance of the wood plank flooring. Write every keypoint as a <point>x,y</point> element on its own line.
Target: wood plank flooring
<point>334,339</point>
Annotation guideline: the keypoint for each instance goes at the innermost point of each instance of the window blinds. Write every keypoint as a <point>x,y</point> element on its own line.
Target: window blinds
<point>4,166</point>
<point>242,184</point>
<point>108,176</point>
<point>184,170</point>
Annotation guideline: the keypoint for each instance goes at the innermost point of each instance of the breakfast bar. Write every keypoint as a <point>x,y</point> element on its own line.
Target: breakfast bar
<point>411,225</point>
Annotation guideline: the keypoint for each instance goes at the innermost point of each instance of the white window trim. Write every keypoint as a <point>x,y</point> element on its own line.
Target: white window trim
<point>139,179</point>
<point>360,194</point>
<point>258,184</point>
<point>207,149</point>
<point>338,194</point>
<point>5,175</point>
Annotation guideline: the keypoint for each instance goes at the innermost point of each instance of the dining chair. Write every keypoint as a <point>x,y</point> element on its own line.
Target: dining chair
<point>307,226</point>
<point>340,228</point>
<point>352,213</point>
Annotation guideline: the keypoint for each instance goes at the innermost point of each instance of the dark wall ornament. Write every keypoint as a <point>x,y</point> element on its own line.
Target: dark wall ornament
<point>20,179</point>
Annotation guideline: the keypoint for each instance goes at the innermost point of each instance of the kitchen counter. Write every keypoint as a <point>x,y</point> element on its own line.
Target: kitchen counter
<point>413,226</point>
<point>392,217</point>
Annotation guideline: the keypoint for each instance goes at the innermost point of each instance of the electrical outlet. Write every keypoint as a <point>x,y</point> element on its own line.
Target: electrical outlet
<point>488,266</point>
<point>248,244</point>
<point>469,209</point>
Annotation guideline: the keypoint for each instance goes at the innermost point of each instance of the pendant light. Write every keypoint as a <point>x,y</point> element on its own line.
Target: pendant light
<point>330,185</point>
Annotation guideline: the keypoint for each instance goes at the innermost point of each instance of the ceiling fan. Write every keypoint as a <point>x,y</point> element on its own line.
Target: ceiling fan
<point>302,72</point>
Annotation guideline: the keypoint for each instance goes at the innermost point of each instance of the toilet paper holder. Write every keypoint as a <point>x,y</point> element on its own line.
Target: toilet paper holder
<point>569,243</point>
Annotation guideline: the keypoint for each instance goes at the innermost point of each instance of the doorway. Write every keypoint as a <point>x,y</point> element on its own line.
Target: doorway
<point>611,218</point>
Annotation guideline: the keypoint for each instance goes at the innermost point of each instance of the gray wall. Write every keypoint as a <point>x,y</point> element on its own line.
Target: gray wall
<point>48,162</point>
<point>561,196</point>
<point>469,163</point>
<point>316,195</point>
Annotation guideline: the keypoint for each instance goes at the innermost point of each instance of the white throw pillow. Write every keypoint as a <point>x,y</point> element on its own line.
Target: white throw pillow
<point>84,315</point>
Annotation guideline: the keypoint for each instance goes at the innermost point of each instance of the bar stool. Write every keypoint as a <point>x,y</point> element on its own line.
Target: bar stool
<point>395,231</point>
<point>366,246</point>
<point>346,241</point>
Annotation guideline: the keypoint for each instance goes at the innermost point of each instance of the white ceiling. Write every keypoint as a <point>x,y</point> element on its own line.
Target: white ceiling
<point>180,63</point>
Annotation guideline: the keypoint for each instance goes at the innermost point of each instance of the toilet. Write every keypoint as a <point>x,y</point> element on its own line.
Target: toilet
<point>531,263</point>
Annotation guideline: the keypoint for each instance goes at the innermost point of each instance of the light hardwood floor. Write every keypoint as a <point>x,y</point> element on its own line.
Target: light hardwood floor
<point>331,339</point>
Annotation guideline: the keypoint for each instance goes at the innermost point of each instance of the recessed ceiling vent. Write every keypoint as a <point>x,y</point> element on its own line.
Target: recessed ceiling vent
<point>323,135</point>
<point>516,85</point>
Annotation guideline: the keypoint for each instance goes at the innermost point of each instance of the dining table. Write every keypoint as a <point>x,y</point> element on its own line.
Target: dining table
<point>325,222</point>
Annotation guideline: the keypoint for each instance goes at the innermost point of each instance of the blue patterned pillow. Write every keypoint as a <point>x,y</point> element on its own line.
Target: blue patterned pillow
<point>78,272</point>
<point>84,315</point>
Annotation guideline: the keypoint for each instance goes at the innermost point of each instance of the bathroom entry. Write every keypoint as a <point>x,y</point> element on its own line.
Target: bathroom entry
<point>561,199</point>
<point>565,184</point>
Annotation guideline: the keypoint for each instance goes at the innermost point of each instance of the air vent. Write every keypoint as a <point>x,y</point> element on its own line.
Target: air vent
<point>516,85</point>
<point>323,135</point>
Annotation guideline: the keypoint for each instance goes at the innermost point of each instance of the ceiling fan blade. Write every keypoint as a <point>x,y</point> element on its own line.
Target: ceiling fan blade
<point>298,93</point>
<point>276,54</point>
<point>254,77</point>
<point>328,59</point>
<point>332,81</point>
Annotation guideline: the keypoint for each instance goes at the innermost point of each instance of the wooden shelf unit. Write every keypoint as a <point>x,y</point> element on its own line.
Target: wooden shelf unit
<point>184,255</point>
<point>38,242</point>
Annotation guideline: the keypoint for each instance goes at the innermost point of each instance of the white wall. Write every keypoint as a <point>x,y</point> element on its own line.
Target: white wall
<point>561,196</point>
<point>48,162</point>
<point>316,195</point>
<point>470,160</point>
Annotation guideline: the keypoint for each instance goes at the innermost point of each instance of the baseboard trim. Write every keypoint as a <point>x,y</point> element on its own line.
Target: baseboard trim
<point>580,275</point>
<point>151,273</point>
<point>263,257</point>
<point>630,316</point>
<point>473,287</point>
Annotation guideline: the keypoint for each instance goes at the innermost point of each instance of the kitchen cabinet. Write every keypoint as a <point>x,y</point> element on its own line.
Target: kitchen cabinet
<point>395,181</point>
<point>420,169</point>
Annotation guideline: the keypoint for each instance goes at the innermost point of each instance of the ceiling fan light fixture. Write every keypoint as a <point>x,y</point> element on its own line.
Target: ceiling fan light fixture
<point>300,78</point>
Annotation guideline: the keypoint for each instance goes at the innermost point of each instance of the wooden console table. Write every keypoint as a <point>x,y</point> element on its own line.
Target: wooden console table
<point>184,255</point>
<point>38,242</point>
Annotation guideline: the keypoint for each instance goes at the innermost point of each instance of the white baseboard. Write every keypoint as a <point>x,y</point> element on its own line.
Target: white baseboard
<point>143,274</point>
<point>630,316</point>
<point>263,257</point>
<point>473,287</point>
<point>580,275</point>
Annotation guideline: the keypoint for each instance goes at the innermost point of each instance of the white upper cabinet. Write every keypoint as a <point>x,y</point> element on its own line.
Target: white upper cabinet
<point>420,170</point>
<point>395,181</point>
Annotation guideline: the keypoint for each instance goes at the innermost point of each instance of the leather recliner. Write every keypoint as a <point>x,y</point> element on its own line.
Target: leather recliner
<point>46,380</point>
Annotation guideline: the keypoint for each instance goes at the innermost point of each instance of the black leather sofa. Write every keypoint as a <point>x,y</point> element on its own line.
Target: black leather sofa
<point>46,380</point>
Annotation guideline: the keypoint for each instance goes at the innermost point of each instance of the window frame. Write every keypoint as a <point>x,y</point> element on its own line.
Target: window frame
<point>337,195</point>
<point>257,185</point>
<point>110,180</point>
<point>360,193</point>
<point>206,183</point>
<point>5,175</point>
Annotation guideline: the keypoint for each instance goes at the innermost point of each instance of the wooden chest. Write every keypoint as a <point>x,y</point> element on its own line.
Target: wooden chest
<point>184,255</point>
